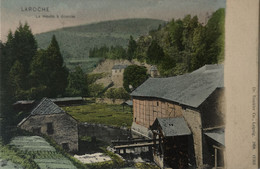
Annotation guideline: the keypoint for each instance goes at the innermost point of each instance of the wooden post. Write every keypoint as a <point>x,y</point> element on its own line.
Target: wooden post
<point>216,158</point>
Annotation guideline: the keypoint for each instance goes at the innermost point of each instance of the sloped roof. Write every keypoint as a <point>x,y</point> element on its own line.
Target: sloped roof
<point>128,102</point>
<point>218,135</point>
<point>190,89</point>
<point>119,66</point>
<point>24,102</point>
<point>46,106</point>
<point>172,126</point>
<point>62,99</point>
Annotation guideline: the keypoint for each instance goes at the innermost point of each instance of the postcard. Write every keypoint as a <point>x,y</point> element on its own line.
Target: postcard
<point>129,84</point>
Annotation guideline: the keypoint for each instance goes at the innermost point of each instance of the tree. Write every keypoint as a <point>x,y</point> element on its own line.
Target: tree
<point>117,93</point>
<point>24,48</point>
<point>215,35</point>
<point>77,83</point>
<point>154,53</point>
<point>134,75</point>
<point>190,24</point>
<point>48,70</point>
<point>131,48</point>
<point>20,48</point>
<point>176,32</point>
<point>199,56</point>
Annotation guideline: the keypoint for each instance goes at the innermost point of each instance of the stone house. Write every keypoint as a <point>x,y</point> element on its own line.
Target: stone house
<point>197,97</point>
<point>154,71</point>
<point>48,118</point>
<point>118,74</point>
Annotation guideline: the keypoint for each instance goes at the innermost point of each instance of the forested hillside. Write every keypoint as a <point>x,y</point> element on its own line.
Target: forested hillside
<point>75,42</point>
<point>178,47</point>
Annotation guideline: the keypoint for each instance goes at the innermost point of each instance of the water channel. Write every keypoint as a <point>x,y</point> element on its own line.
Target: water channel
<point>107,133</point>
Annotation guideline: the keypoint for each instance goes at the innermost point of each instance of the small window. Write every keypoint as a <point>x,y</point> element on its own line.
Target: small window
<point>36,130</point>
<point>50,128</point>
<point>115,71</point>
<point>65,146</point>
<point>157,103</point>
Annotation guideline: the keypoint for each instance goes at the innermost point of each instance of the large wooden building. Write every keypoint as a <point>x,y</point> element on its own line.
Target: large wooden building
<point>197,97</point>
<point>48,118</point>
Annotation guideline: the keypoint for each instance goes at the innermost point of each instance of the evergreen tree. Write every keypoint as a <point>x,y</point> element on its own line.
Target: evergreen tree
<point>77,83</point>
<point>176,32</point>
<point>48,70</point>
<point>131,48</point>
<point>154,53</point>
<point>24,48</point>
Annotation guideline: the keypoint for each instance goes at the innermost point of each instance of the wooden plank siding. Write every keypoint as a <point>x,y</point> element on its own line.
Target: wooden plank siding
<point>146,110</point>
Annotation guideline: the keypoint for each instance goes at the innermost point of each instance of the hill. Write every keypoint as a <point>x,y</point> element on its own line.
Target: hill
<point>75,42</point>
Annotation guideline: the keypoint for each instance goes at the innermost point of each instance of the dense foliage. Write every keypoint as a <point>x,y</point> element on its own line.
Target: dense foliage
<point>134,76</point>
<point>28,73</point>
<point>184,45</point>
<point>178,47</point>
<point>117,52</point>
<point>77,83</point>
<point>48,72</point>
<point>117,93</point>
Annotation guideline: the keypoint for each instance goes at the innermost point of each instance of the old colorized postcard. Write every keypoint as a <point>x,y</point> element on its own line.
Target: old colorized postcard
<point>129,84</point>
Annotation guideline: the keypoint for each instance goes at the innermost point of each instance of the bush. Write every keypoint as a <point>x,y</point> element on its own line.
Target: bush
<point>117,93</point>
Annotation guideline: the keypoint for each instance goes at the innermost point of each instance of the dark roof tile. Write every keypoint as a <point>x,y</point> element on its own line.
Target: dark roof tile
<point>46,106</point>
<point>190,89</point>
<point>172,126</point>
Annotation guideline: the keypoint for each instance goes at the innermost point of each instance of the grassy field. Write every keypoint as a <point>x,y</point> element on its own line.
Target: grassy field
<point>112,115</point>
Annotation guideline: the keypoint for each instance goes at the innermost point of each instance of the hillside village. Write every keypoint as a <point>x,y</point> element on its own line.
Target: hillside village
<point>154,104</point>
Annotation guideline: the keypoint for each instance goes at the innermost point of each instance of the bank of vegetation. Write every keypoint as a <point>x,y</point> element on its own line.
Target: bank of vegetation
<point>111,115</point>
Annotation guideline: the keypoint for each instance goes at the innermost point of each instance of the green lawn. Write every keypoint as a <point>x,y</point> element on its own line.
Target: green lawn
<point>112,115</point>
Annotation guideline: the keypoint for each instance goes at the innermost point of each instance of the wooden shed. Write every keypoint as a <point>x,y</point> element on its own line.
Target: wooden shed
<point>175,148</point>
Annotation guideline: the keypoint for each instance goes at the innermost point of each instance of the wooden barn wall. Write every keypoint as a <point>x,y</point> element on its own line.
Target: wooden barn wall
<point>146,110</point>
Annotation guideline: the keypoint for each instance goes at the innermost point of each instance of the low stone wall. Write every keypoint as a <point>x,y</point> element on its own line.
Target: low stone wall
<point>109,101</point>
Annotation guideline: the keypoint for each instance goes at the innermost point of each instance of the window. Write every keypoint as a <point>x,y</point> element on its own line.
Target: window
<point>65,146</point>
<point>36,130</point>
<point>50,128</point>
<point>157,103</point>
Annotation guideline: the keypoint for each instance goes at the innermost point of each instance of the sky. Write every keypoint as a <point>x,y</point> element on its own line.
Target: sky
<point>64,13</point>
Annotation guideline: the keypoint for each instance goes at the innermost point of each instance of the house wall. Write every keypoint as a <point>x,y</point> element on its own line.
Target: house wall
<point>193,120</point>
<point>210,113</point>
<point>146,110</point>
<point>65,128</point>
<point>213,110</point>
<point>117,77</point>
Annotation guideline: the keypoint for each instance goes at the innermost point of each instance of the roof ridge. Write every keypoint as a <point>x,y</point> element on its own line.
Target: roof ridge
<point>38,105</point>
<point>48,103</point>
